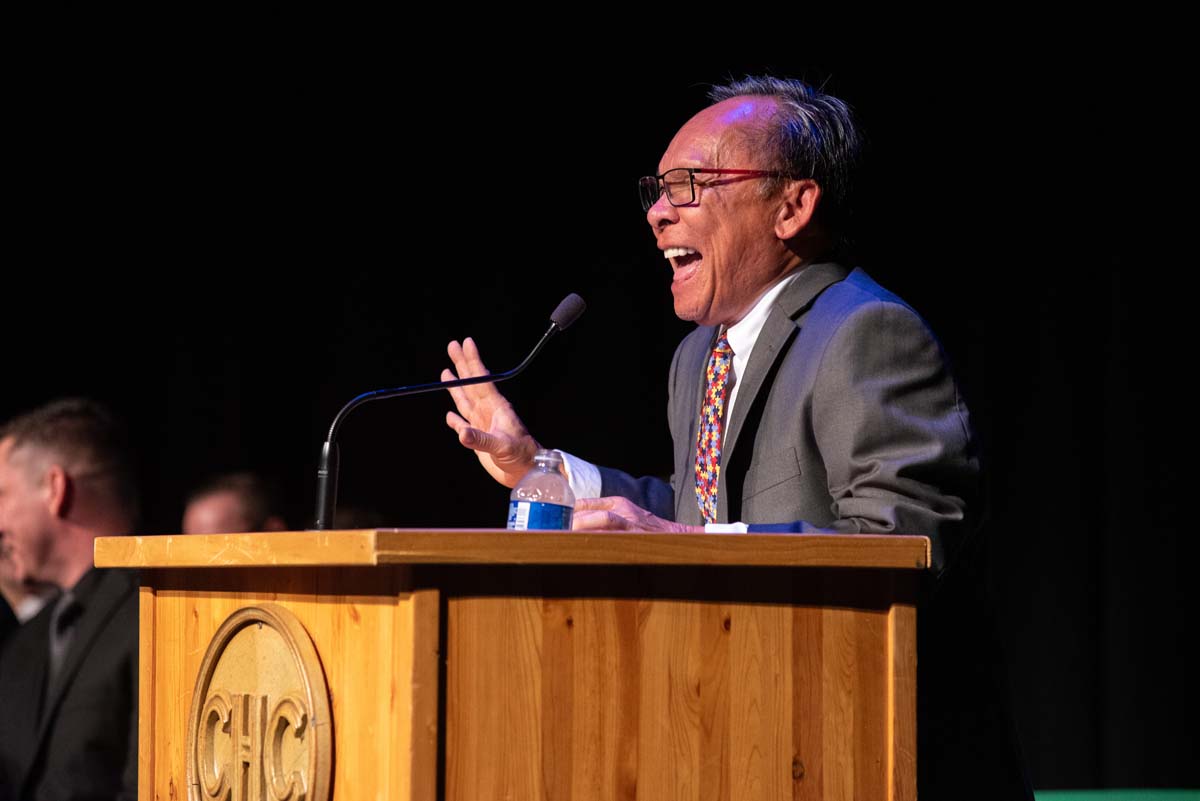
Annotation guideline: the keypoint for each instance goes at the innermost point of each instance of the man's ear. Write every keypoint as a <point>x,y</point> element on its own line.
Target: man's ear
<point>58,490</point>
<point>797,207</point>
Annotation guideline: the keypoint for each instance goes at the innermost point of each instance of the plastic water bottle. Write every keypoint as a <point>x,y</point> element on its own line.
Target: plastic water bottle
<point>543,498</point>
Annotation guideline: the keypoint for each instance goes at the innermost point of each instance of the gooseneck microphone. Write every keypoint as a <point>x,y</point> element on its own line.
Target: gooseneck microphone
<point>564,315</point>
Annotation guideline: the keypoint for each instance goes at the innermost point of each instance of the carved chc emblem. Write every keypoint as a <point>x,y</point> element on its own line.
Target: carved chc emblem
<point>259,728</point>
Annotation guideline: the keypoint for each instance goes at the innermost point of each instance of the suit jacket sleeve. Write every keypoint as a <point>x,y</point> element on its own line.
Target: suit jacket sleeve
<point>650,493</point>
<point>891,430</point>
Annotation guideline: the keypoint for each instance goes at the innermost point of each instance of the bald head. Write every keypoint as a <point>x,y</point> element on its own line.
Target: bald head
<point>808,134</point>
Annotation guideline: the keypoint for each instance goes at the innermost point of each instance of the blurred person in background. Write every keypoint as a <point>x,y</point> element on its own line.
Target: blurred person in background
<point>68,677</point>
<point>233,503</point>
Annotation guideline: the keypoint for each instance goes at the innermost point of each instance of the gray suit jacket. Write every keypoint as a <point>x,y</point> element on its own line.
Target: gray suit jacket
<point>847,420</point>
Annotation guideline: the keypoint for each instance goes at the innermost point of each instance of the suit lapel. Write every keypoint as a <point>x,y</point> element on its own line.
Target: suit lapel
<point>772,341</point>
<point>110,590</point>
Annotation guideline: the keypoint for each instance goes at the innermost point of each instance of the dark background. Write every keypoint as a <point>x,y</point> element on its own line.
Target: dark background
<point>227,237</point>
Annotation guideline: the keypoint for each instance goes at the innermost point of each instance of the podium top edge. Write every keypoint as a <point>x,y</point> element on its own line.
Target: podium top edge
<point>368,547</point>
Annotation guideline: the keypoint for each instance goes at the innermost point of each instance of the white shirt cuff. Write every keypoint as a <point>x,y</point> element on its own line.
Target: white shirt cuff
<point>584,477</point>
<point>726,528</point>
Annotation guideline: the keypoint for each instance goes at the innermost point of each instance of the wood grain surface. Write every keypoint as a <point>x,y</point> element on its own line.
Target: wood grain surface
<point>751,684</point>
<point>378,650</point>
<point>498,546</point>
<point>634,679</point>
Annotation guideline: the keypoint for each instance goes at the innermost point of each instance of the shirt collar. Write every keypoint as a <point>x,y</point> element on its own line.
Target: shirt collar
<point>744,333</point>
<point>85,588</point>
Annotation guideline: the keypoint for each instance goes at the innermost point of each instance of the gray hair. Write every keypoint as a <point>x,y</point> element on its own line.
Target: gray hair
<point>811,135</point>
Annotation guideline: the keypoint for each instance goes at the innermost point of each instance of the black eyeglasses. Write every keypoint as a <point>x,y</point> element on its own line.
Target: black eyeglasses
<point>680,184</point>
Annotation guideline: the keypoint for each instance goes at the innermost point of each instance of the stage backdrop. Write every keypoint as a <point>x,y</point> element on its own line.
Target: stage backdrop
<point>227,245</point>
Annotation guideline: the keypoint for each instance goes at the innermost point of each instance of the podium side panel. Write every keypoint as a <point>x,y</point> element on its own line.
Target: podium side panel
<point>146,672</point>
<point>902,688</point>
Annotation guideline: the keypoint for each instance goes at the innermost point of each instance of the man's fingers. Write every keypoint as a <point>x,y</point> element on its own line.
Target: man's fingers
<point>466,358</point>
<point>462,401</point>
<point>467,434</point>
<point>471,351</point>
<point>454,351</point>
<point>597,520</point>
<point>479,440</point>
<point>462,364</point>
<point>467,364</point>
<point>583,520</point>
<point>468,399</point>
<point>595,504</point>
<point>457,423</point>
<point>601,514</point>
<point>470,436</point>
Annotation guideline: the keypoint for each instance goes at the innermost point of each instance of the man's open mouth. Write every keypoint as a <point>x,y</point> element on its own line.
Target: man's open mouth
<point>682,257</point>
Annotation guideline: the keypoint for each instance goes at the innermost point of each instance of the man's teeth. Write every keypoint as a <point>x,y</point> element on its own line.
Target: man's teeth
<point>676,253</point>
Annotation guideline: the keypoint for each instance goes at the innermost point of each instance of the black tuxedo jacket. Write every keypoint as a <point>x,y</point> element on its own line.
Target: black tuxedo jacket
<point>75,739</point>
<point>8,621</point>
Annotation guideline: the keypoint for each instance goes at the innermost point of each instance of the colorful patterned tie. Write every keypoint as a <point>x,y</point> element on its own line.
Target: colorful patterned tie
<point>708,438</point>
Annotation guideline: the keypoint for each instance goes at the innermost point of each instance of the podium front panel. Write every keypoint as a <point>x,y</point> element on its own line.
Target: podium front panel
<point>478,665</point>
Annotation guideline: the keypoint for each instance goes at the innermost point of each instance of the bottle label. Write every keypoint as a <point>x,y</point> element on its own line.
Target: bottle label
<point>524,515</point>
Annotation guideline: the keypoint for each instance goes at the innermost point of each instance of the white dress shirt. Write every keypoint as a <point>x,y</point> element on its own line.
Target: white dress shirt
<point>584,477</point>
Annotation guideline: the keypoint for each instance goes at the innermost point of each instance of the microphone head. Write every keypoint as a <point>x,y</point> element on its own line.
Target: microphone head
<point>568,311</point>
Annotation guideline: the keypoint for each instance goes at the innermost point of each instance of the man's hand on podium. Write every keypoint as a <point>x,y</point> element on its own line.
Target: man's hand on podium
<point>621,514</point>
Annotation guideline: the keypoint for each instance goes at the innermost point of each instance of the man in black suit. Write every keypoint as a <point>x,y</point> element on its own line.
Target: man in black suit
<point>68,677</point>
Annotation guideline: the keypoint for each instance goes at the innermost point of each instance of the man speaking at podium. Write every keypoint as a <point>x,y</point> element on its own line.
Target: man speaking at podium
<point>809,398</point>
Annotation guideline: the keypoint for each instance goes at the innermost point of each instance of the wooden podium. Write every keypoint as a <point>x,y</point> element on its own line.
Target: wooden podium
<point>481,664</point>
